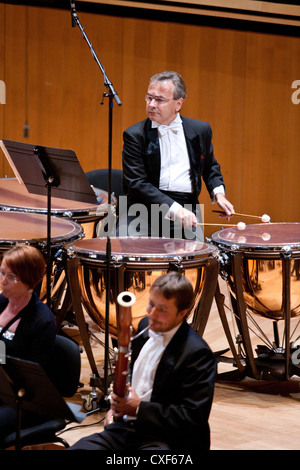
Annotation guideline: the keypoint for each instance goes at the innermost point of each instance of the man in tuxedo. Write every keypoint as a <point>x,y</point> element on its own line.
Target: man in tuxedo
<point>165,158</point>
<point>173,375</point>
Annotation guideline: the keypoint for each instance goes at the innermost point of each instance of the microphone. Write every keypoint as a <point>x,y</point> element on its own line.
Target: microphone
<point>73,13</point>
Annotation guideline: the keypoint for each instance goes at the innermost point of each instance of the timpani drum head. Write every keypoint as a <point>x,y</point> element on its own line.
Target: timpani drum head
<point>256,237</point>
<point>139,250</point>
<point>15,197</point>
<point>21,227</point>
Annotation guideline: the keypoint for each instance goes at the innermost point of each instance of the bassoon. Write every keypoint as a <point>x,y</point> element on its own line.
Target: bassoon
<point>120,383</point>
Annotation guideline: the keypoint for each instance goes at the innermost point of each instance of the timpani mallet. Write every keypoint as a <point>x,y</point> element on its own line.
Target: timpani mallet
<point>264,218</point>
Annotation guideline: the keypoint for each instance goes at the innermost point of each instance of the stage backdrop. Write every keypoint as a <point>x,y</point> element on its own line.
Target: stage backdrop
<point>245,83</point>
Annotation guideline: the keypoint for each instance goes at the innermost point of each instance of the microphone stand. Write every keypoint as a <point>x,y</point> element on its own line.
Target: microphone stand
<point>111,95</point>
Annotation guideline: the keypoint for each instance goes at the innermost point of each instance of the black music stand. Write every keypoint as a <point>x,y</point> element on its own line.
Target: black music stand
<point>34,164</point>
<point>49,172</point>
<point>24,385</point>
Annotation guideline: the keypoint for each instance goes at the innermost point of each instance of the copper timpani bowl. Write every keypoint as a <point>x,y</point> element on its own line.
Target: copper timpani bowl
<point>135,264</point>
<point>264,249</point>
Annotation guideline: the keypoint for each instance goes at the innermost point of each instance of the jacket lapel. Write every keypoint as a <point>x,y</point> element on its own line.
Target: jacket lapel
<point>170,357</point>
<point>192,143</point>
<point>153,153</point>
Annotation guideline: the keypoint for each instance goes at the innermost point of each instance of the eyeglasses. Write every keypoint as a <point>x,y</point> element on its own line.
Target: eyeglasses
<point>158,101</point>
<point>9,277</point>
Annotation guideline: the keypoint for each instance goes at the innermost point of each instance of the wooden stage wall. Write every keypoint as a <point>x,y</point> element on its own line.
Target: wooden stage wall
<point>240,81</point>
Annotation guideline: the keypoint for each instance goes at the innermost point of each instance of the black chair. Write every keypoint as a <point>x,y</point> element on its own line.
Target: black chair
<point>64,372</point>
<point>99,179</point>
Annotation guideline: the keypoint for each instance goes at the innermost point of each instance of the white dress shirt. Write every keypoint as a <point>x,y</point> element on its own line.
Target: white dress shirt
<point>145,366</point>
<point>175,164</point>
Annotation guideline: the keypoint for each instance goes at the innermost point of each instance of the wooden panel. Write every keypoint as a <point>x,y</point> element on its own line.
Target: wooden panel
<point>239,81</point>
<point>246,10</point>
<point>14,73</point>
<point>64,84</point>
<point>67,85</point>
<point>271,143</point>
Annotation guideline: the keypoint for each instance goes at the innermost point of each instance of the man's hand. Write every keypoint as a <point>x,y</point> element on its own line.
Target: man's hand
<point>109,418</point>
<point>125,406</point>
<point>224,204</point>
<point>186,217</point>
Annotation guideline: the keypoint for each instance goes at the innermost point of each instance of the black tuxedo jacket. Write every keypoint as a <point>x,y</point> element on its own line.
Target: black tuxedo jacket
<point>182,394</point>
<point>141,161</point>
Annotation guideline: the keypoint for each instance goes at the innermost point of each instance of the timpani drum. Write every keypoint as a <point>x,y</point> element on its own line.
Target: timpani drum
<point>261,267</point>
<point>32,229</point>
<point>135,264</point>
<point>21,227</point>
<point>15,197</point>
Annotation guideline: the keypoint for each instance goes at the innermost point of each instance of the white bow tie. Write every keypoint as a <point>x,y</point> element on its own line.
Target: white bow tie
<point>173,127</point>
<point>156,337</point>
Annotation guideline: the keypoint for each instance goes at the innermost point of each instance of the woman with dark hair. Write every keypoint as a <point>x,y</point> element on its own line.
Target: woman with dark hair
<point>27,325</point>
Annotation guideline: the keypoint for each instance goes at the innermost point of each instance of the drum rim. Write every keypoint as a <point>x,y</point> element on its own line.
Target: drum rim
<point>58,238</point>
<point>236,246</point>
<point>90,254</point>
<point>63,213</point>
<point>88,210</point>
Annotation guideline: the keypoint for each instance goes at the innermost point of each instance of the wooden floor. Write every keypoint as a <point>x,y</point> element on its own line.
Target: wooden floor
<point>246,415</point>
